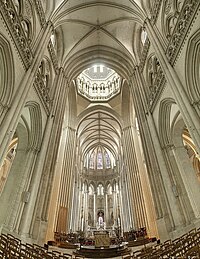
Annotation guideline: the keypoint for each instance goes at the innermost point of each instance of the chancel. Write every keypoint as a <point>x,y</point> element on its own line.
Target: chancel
<point>99,129</point>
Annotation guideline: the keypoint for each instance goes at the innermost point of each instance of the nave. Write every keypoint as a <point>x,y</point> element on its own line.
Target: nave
<point>184,247</point>
<point>99,128</point>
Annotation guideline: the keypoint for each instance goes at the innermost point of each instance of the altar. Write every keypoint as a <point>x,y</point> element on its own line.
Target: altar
<point>102,239</point>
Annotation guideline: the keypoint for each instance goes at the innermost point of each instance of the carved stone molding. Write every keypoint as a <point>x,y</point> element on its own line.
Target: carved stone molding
<point>181,29</point>
<point>43,92</point>
<point>27,9</point>
<point>156,91</point>
<point>168,6</point>
<point>97,178</point>
<point>144,54</point>
<point>168,146</point>
<point>14,26</point>
<point>40,12</point>
<point>196,103</point>
<point>155,10</point>
<point>184,21</point>
<point>53,56</point>
<point>156,81</point>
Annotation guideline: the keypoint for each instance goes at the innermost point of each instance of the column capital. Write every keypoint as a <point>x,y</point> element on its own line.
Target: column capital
<point>127,127</point>
<point>146,21</point>
<point>134,71</point>
<point>168,146</point>
<point>61,69</point>
<point>196,103</point>
<point>50,24</point>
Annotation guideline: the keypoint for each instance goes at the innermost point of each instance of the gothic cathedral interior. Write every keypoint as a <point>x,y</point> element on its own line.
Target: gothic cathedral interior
<point>99,119</point>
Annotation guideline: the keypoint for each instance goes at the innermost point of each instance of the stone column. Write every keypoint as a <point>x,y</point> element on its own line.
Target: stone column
<point>190,180</point>
<point>73,207</point>
<point>3,111</point>
<point>189,114</point>
<point>124,209</point>
<point>15,179</point>
<point>171,199</point>
<point>81,199</point>
<point>85,209</point>
<point>23,194</point>
<point>44,178</point>
<point>138,204</point>
<point>26,219</point>
<point>115,206</point>
<point>151,215</point>
<point>122,212</point>
<point>95,210</point>
<point>128,198</point>
<point>150,141</point>
<point>106,208</point>
<point>67,170</point>
<point>78,209</point>
<point>128,180</point>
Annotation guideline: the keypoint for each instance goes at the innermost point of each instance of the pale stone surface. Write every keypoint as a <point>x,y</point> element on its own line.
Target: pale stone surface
<point>131,158</point>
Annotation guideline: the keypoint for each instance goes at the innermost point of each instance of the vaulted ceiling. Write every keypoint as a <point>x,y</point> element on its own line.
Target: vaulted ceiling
<point>104,32</point>
<point>90,30</point>
<point>99,129</point>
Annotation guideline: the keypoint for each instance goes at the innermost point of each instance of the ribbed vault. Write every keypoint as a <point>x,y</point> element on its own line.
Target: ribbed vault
<point>103,31</point>
<point>99,129</point>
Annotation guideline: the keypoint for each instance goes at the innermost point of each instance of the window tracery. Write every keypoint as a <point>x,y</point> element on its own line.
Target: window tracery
<point>107,158</point>
<point>91,161</point>
<point>25,11</point>
<point>99,159</point>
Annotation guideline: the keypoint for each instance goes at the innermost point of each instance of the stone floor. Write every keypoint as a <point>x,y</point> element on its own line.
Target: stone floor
<point>70,251</point>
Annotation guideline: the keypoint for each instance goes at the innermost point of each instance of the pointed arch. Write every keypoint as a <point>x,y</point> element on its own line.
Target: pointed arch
<point>35,125</point>
<point>6,73</point>
<point>192,67</point>
<point>164,121</point>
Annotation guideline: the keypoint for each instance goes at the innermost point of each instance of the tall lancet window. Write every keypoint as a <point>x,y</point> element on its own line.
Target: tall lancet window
<point>143,36</point>
<point>107,158</point>
<point>99,160</point>
<point>91,161</point>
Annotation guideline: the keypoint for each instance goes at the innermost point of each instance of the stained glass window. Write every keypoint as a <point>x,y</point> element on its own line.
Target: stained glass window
<point>91,161</point>
<point>99,160</point>
<point>143,36</point>
<point>107,158</point>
